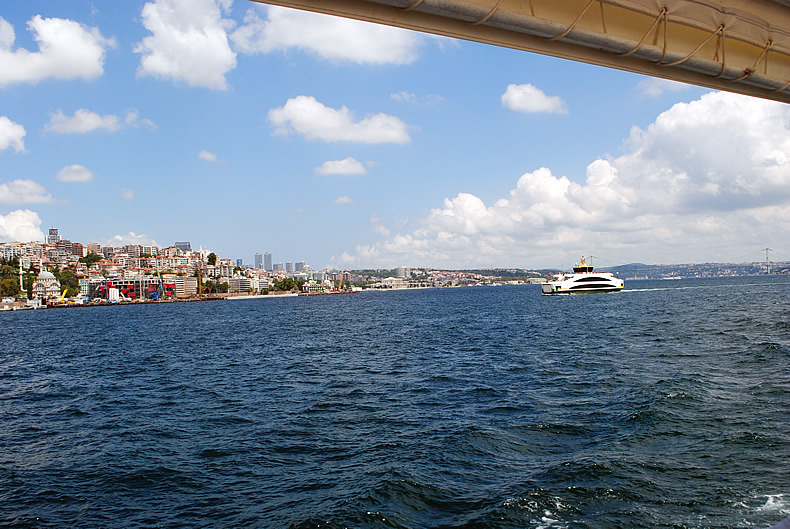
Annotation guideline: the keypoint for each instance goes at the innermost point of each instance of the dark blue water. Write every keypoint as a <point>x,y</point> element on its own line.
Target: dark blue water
<point>666,405</point>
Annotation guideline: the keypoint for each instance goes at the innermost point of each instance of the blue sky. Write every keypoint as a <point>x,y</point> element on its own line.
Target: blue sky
<point>245,128</point>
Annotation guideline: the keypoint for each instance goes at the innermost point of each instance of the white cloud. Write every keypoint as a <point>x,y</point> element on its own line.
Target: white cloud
<point>127,194</point>
<point>11,135</point>
<point>411,98</point>
<point>207,156</point>
<point>133,120</point>
<point>188,42</point>
<point>708,179</point>
<point>328,37</point>
<point>75,173</point>
<point>21,225</point>
<point>84,121</point>
<point>131,238</point>
<point>24,192</point>
<point>530,99</point>
<point>654,87</point>
<point>68,50</point>
<point>348,166</point>
<point>81,122</point>
<point>306,116</point>
<point>343,200</point>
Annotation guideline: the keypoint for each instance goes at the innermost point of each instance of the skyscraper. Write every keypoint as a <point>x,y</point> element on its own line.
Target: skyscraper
<point>267,261</point>
<point>53,237</point>
<point>258,260</point>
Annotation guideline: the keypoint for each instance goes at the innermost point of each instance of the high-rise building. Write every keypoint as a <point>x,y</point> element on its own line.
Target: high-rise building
<point>183,246</point>
<point>258,260</point>
<point>239,262</point>
<point>267,262</point>
<point>299,266</point>
<point>279,267</point>
<point>289,267</point>
<point>53,237</point>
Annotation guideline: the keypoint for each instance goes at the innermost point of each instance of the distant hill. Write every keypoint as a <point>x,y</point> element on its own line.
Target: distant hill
<point>646,271</point>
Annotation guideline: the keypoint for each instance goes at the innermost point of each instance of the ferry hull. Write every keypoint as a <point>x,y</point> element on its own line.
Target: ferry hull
<point>558,290</point>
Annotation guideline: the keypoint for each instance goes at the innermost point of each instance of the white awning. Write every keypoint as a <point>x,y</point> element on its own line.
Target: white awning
<point>739,46</point>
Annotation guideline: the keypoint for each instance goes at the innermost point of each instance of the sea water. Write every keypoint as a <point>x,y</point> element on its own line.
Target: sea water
<point>665,405</point>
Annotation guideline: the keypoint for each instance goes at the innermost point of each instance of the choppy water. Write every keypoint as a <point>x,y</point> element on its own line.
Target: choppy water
<point>666,405</point>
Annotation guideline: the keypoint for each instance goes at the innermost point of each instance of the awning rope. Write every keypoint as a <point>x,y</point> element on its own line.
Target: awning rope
<point>489,15</point>
<point>578,18</point>
<point>718,31</point>
<point>661,16</point>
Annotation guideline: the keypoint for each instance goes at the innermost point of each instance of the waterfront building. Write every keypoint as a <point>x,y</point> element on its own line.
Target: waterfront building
<point>239,283</point>
<point>258,260</point>
<point>185,286</point>
<point>267,262</point>
<point>402,272</point>
<point>46,286</point>
<point>260,284</point>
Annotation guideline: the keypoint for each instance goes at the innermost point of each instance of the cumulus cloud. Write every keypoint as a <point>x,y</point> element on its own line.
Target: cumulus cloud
<point>21,225</point>
<point>207,156</point>
<point>24,192</point>
<point>707,177</point>
<point>328,37</point>
<point>530,99</point>
<point>67,50</point>
<point>306,116</point>
<point>127,194</point>
<point>11,135</point>
<point>75,173</point>
<point>343,200</point>
<point>131,238</point>
<point>348,166</point>
<point>188,42</point>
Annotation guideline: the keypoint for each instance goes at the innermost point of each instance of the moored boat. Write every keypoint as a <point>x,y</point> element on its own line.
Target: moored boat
<point>583,281</point>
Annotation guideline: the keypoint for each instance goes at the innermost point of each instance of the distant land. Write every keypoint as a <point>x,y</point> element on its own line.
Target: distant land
<point>661,271</point>
<point>626,271</point>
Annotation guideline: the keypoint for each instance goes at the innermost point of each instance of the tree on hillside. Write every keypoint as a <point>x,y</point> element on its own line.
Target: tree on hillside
<point>212,259</point>
<point>69,281</point>
<point>9,288</point>
<point>288,284</point>
<point>91,258</point>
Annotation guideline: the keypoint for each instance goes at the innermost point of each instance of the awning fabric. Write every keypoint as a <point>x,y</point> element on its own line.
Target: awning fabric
<point>741,46</point>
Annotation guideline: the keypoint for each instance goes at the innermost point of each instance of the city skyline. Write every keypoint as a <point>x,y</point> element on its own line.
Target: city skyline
<point>244,127</point>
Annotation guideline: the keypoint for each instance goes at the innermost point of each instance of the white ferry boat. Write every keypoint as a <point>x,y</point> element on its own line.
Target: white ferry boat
<point>583,281</point>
